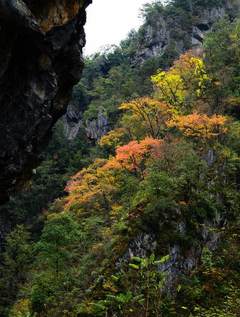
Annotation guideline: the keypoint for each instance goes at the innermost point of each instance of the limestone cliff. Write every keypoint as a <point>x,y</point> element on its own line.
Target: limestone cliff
<point>40,61</point>
<point>177,28</point>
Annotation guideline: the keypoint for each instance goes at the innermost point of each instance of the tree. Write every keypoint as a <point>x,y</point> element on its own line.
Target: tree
<point>146,117</point>
<point>222,59</point>
<point>200,126</point>
<point>113,139</point>
<point>183,84</point>
<point>54,265</point>
<point>57,243</point>
<point>16,261</point>
<point>133,156</point>
<point>91,189</point>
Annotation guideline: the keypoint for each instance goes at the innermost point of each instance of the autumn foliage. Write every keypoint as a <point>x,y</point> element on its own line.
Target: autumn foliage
<point>149,227</point>
<point>200,125</point>
<point>90,188</point>
<point>133,155</point>
<point>112,138</point>
<point>147,115</point>
<point>183,83</point>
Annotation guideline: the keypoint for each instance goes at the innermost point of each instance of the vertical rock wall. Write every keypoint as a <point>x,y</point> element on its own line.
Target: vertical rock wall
<point>40,60</point>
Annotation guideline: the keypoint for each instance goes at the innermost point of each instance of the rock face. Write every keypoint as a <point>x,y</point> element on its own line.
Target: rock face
<point>40,61</point>
<point>94,129</point>
<point>97,128</point>
<point>182,260</point>
<point>183,30</point>
<point>72,121</point>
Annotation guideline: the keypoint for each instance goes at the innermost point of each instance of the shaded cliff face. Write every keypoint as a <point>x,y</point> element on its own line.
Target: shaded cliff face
<point>40,61</point>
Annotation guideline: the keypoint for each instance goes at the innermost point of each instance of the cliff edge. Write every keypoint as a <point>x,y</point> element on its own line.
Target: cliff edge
<point>40,60</point>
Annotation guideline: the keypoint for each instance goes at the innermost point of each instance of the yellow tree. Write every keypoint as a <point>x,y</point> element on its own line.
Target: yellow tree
<point>183,83</point>
<point>113,139</point>
<point>145,117</point>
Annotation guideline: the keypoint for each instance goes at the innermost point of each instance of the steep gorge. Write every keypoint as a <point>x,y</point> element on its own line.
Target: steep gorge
<point>167,201</point>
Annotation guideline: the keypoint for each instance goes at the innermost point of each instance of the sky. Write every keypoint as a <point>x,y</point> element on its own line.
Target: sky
<point>110,21</point>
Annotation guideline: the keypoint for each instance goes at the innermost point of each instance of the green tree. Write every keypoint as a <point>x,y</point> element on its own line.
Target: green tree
<point>16,262</point>
<point>222,58</point>
<point>56,253</point>
<point>57,243</point>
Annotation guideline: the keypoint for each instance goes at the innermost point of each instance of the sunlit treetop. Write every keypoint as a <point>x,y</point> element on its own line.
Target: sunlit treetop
<point>113,138</point>
<point>88,176</point>
<point>183,83</point>
<point>146,117</point>
<point>200,125</point>
<point>138,104</point>
<point>133,155</point>
<point>90,188</point>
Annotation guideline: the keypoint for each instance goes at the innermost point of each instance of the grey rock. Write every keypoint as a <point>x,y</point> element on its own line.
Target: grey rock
<point>157,37</point>
<point>97,128</point>
<point>142,246</point>
<point>72,122</point>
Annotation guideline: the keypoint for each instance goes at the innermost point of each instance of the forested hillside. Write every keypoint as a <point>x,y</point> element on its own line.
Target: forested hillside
<point>134,210</point>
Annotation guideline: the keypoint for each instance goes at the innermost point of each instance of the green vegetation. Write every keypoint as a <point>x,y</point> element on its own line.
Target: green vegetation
<point>16,261</point>
<point>145,221</point>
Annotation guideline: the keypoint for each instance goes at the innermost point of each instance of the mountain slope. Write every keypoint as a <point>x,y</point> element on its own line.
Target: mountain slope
<point>122,73</point>
<point>148,223</point>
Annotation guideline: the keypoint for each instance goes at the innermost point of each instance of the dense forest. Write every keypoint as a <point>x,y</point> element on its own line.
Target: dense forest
<point>134,210</point>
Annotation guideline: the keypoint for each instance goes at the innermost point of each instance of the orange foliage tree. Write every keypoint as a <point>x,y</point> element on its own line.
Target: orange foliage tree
<point>200,125</point>
<point>91,188</point>
<point>133,155</point>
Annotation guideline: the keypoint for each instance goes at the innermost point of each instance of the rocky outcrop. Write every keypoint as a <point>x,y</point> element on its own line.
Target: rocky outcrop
<point>94,129</point>
<point>72,121</point>
<point>97,128</point>
<point>205,21</point>
<point>40,61</point>
<point>178,30</point>
<point>182,260</point>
